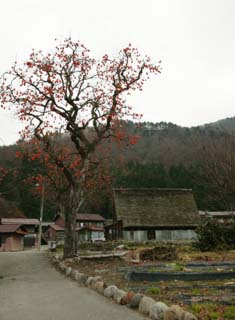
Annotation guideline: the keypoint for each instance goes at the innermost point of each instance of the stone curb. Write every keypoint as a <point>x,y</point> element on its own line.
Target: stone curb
<point>147,306</point>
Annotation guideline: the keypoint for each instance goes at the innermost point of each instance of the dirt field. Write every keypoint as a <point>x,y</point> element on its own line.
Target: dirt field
<point>212,299</point>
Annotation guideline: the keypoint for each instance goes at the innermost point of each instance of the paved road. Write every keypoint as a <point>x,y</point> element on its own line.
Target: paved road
<point>30,288</point>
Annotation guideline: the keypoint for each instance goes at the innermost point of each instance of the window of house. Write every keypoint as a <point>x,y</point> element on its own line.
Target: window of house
<point>132,235</point>
<point>151,234</point>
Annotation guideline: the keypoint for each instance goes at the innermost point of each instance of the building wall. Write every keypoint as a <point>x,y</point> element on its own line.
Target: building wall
<point>53,235</point>
<point>97,235</point>
<point>30,240</point>
<point>60,221</point>
<point>12,242</point>
<point>87,235</point>
<point>98,224</point>
<point>175,234</point>
<point>160,235</point>
<point>137,235</point>
<point>30,228</point>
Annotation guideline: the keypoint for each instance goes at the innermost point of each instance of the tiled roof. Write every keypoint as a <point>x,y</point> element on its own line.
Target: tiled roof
<point>89,217</point>
<point>218,213</point>
<point>91,228</point>
<point>19,221</point>
<point>56,227</point>
<point>9,228</point>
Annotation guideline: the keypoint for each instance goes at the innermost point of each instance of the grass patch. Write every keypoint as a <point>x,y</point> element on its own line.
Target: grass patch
<point>210,311</point>
<point>229,312</point>
<point>196,291</point>
<point>175,266</point>
<point>153,290</point>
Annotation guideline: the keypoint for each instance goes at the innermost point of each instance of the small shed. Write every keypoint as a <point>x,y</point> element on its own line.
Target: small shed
<point>30,225</point>
<point>153,214</point>
<point>90,233</point>
<point>12,237</point>
<point>54,232</point>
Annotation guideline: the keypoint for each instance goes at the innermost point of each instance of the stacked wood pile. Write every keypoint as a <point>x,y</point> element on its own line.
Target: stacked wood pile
<point>159,252</point>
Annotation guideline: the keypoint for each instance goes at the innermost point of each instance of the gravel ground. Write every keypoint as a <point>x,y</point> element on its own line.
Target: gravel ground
<point>30,288</point>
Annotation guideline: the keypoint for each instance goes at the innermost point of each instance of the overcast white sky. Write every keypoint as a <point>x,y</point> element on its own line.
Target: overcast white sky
<point>195,39</point>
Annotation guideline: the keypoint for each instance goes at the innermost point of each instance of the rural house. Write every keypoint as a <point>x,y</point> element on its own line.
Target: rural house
<point>12,237</point>
<point>219,216</point>
<point>91,233</point>
<point>90,227</point>
<point>153,214</point>
<point>54,232</point>
<point>30,225</point>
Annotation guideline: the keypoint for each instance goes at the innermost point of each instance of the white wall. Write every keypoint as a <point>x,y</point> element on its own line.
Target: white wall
<point>141,235</point>
<point>138,235</point>
<point>97,235</point>
<point>175,234</point>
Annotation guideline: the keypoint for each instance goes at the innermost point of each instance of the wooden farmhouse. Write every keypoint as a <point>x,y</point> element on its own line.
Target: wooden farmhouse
<point>153,214</point>
<point>12,237</point>
<point>222,217</point>
<point>89,227</point>
<point>54,232</point>
<point>30,225</point>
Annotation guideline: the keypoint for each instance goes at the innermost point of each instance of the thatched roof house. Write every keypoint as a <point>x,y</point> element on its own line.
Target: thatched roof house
<point>155,209</point>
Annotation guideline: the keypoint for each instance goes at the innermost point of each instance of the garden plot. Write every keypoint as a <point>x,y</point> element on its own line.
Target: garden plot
<point>217,295</point>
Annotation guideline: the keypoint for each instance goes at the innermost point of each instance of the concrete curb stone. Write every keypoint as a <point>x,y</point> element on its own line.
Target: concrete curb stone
<point>100,287</point>
<point>157,311</point>
<point>82,278</point>
<point>145,305</point>
<point>62,266</point>
<point>68,271</point>
<point>135,301</point>
<point>109,291</point>
<point>188,316</point>
<point>175,312</point>
<point>74,274</point>
<point>89,281</point>
<point>94,280</point>
<point>119,295</point>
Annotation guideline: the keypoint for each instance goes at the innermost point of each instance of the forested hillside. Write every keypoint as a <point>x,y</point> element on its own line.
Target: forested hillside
<point>166,155</point>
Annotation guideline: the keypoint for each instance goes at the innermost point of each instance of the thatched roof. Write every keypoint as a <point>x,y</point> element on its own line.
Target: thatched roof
<point>156,207</point>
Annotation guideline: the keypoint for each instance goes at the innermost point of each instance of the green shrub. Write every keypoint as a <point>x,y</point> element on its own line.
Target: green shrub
<point>214,235</point>
<point>153,290</point>
<point>229,312</point>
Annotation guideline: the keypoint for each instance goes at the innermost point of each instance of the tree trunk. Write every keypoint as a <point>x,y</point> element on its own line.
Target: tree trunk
<point>75,202</point>
<point>70,241</point>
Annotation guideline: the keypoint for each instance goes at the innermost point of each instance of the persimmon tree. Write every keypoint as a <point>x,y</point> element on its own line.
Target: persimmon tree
<point>68,92</point>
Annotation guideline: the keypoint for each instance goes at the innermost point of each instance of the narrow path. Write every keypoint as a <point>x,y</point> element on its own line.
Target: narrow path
<point>30,288</point>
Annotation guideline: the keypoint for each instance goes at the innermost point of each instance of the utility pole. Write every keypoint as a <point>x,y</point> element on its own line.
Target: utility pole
<point>41,215</point>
